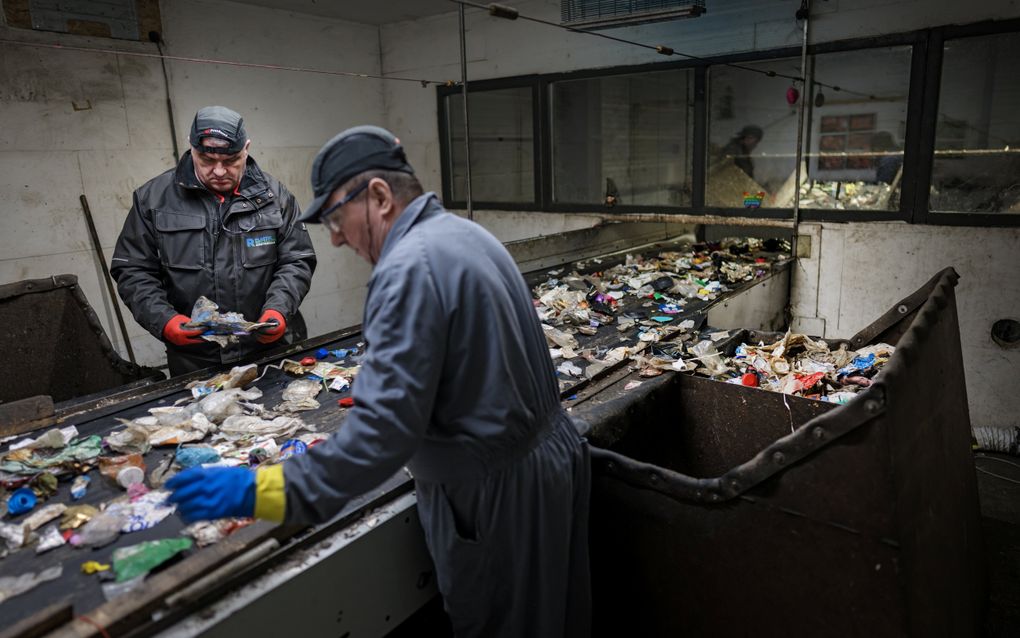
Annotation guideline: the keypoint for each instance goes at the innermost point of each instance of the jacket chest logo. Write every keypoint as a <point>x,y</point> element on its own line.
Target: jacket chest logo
<point>255,242</point>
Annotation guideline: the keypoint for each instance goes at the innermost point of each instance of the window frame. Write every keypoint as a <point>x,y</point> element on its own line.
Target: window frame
<point>919,136</point>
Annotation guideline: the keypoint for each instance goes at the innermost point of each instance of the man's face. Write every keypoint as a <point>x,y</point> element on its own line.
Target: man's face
<point>750,141</point>
<point>362,222</point>
<point>220,173</point>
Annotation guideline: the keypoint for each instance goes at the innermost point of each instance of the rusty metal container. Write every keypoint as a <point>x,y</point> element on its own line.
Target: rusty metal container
<point>720,510</point>
<point>55,345</point>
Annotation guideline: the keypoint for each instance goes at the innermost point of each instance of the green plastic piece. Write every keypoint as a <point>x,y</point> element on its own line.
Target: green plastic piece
<point>134,561</point>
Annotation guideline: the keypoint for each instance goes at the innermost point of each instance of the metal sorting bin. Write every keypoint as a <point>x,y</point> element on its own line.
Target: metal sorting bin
<point>721,510</point>
<point>54,344</point>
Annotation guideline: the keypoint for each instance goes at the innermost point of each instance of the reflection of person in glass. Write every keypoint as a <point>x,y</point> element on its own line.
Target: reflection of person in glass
<point>740,147</point>
<point>886,166</point>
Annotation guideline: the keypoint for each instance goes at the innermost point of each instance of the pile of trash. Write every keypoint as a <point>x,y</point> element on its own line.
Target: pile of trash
<point>795,364</point>
<point>646,299</point>
<point>221,423</point>
<point>847,195</point>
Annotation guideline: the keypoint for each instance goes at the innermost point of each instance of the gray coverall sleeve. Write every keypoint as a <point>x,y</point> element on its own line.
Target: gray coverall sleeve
<point>296,262</point>
<point>136,268</point>
<point>394,394</point>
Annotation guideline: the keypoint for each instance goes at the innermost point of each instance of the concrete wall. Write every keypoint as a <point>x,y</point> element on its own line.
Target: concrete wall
<point>97,123</point>
<point>74,123</point>
<point>858,271</point>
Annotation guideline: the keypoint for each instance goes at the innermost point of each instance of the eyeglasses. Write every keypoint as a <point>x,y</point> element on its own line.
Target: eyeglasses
<point>331,220</point>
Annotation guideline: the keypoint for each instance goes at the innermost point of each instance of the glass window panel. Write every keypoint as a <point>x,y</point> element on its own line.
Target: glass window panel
<point>502,145</point>
<point>855,135</point>
<point>977,136</point>
<point>623,139</point>
<point>752,136</point>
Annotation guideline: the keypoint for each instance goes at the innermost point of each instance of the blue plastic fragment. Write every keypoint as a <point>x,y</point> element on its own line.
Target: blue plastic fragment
<point>293,447</point>
<point>192,456</point>
<point>859,364</point>
<point>21,501</point>
<point>340,354</point>
<point>321,353</point>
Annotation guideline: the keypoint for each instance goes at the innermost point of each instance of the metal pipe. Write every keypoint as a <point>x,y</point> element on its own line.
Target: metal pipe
<point>678,218</point>
<point>467,125</point>
<point>805,12</point>
<point>106,276</point>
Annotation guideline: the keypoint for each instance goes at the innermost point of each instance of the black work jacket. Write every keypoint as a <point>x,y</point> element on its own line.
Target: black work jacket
<point>247,252</point>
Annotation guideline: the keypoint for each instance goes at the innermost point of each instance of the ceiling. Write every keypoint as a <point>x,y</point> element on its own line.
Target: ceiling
<point>378,12</point>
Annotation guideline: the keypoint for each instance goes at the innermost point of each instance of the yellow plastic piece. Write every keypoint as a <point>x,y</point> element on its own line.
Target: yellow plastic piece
<point>91,567</point>
<point>270,497</point>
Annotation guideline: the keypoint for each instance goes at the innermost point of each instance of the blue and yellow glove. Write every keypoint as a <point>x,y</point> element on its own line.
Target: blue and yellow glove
<point>223,492</point>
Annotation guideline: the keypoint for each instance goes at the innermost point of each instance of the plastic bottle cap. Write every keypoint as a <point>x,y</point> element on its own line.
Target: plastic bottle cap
<point>129,476</point>
<point>21,501</point>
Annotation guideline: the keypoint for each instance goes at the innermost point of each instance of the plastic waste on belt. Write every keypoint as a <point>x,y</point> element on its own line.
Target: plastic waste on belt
<point>11,586</point>
<point>140,559</point>
<point>32,460</point>
<point>223,328</point>
<point>192,456</point>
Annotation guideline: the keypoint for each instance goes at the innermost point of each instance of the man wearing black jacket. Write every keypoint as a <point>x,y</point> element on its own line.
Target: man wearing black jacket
<point>218,226</point>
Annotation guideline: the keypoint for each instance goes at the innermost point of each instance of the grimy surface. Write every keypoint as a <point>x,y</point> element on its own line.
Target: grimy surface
<point>98,415</point>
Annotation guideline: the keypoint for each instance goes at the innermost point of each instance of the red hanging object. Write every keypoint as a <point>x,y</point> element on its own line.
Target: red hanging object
<point>792,95</point>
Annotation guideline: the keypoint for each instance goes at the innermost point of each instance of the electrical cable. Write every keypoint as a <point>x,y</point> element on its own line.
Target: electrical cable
<point>995,458</point>
<point>998,476</point>
<point>509,13</point>
<point>252,65</point>
<point>155,37</point>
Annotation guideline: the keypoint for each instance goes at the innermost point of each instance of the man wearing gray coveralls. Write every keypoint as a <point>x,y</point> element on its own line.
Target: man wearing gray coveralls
<point>457,384</point>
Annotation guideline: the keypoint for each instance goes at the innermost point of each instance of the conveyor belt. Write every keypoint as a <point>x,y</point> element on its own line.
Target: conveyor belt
<point>99,414</point>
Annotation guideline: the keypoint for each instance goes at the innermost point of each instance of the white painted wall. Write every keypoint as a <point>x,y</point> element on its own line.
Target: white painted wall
<point>858,271</point>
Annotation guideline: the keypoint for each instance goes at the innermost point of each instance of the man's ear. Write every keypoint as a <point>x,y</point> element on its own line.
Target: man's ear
<point>380,191</point>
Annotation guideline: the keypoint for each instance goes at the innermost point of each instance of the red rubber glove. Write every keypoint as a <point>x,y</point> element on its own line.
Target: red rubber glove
<point>270,334</point>
<point>175,334</point>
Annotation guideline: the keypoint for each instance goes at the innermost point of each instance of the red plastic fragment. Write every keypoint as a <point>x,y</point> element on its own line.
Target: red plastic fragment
<point>308,361</point>
<point>346,402</point>
<point>750,379</point>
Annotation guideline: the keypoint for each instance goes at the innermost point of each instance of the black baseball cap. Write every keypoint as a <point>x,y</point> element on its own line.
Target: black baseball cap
<point>219,122</point>
<point>356,150</point>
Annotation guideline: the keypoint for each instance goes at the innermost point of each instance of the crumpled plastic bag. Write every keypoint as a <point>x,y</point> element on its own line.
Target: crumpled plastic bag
<point>244,425</point>
<point>707,355</point>
<point>11,586</point>
<point>53,439</point>
<point>238,377</point>
<point>134,439</point>
<point>559,338</point>
<point>223,328</point>
<point>300,395</point>
<point>33,460</point>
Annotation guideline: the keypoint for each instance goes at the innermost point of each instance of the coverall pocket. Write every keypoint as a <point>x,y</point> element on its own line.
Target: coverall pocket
<point>181,239</point>
<point>259,245</point>
<point>461,505</point>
